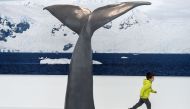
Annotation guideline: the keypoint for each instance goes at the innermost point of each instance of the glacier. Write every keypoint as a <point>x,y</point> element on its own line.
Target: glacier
<point>134,32</point>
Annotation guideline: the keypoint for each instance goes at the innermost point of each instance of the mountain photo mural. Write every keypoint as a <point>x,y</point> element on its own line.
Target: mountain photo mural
<point>147,38</point>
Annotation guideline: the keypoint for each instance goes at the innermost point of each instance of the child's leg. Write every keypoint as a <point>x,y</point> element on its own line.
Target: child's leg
<point>138,104</point>
<point>148,104</point>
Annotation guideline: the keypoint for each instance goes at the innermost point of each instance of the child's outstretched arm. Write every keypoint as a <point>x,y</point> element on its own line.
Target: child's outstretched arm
<point>153,91</point>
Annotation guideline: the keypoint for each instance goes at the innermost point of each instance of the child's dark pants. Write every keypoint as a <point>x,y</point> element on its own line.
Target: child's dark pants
<point>141,101</point>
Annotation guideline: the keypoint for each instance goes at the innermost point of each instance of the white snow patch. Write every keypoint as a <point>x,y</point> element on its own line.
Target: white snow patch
<point>55,61</point>
<point>60,61</point>
<point>124,57</point>
<point>135,54</point>
<point>96,62</point>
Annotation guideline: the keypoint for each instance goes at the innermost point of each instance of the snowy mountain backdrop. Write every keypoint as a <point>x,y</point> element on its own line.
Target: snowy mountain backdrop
<point>26,27</point>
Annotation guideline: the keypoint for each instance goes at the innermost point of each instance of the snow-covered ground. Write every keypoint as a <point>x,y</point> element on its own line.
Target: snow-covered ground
<point>110,92</point>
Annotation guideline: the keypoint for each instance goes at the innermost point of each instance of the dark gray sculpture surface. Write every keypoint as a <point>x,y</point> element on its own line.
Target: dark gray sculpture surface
<point>79,94</point>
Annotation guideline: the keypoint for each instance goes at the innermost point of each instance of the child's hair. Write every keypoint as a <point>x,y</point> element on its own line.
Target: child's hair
<point>149,75</point>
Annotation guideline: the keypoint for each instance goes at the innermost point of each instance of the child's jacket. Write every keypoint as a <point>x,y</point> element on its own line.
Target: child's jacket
<point>146,89</point>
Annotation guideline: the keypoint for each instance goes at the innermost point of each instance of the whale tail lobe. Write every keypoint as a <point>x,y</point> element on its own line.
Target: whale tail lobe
<point>105,14</point>
<point>73,17</point>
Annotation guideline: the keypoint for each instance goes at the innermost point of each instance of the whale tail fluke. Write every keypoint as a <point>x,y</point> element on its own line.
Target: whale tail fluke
<point>105,14</point>
<point>76,17</point>
<point>71,16</point>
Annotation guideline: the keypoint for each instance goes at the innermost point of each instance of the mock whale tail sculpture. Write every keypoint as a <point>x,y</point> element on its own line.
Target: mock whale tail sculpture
<point>79,94</point>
